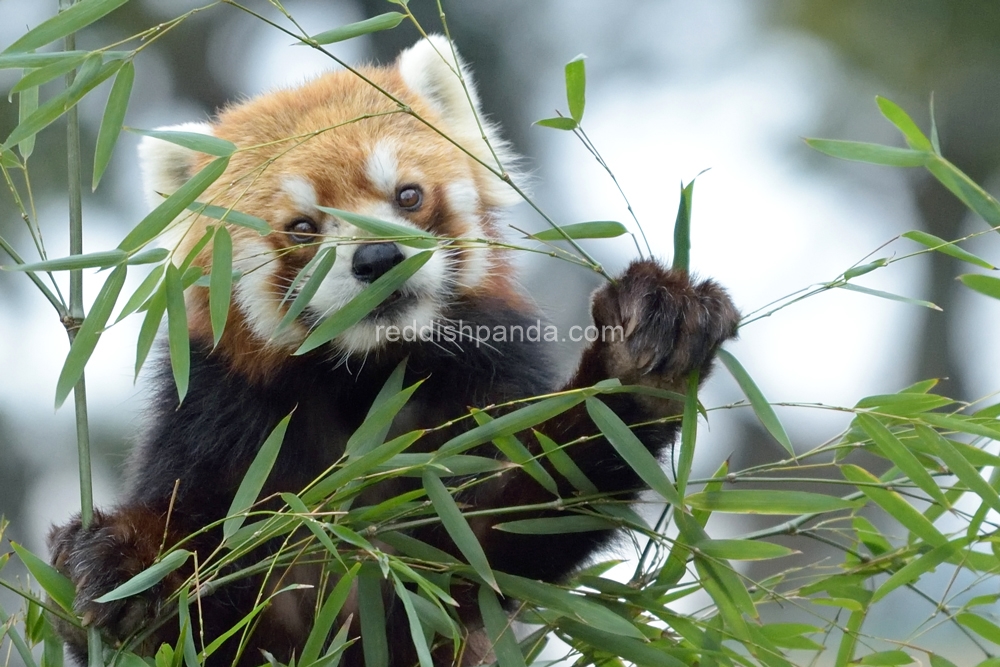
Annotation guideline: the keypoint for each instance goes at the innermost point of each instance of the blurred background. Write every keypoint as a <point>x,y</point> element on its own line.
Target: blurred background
<point>673,89</point>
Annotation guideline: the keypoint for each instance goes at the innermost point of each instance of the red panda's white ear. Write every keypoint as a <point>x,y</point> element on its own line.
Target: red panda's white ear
<point>430,68</point>
<point>165,165</point>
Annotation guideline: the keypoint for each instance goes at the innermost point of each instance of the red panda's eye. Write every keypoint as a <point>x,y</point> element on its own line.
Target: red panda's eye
<point>409,197</point>
<point>301,230</point>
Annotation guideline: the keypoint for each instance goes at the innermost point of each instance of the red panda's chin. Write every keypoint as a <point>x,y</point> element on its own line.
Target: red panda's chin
<point>407,320</point>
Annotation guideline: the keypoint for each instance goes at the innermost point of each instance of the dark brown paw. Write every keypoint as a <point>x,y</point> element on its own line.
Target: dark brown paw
<point>110,551</point>
<point>669,326</point>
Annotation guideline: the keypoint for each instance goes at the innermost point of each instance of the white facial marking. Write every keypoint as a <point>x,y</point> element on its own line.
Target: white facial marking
<point>256,295</point>
<point>474,263</point>
<point>383,168</point>
<point>301,192</point>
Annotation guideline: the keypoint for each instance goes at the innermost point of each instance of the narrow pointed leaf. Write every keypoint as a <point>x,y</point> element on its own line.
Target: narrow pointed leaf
<point>148,256</point>
<point>220,289</point>
<point>360,467</point>
<point>408,236</point>
<point>947,248</point>
<point>65,22</point>
<point>768,502</point>
<point>631,449</point>
<point>597,229</point>
<point>187,629</point>
<point>761,407</point>
<point>558,123</point>
<point>231,216</point>
<point>565,465</point>
<point>372,431</point>
<point>161,216</point>
<point>982,627</point>
<point>27,104</point>
<point>967,190</point>
<point>871,153</point>
<point>917,568</point>
<point>682,229</point>
<point>689,433</point>
<point>512,448</point>
<point>88,334</point>
<point>865,268</point>
<point>150,325</point>
<point>895,451</point>
<point>372,613</point>
<point>178,337</point>
<point>53,582</point>
<point>580,523</point>
<point>416,628</point>
<point>92,260</point>
<point>149,577</point>
<point>895,114</point>
<point>114,117</point>
<point>894,504</point>
<point>43,75</point>
<point>512,422</point>
<point>37,60</point>
<point>889,295</point>
<point>196,141</point>
<point>254,479</point>
<point>369,299</point>
<point>499,630</point>
<point>987,285</point>
<point>384,21</point>
<point>318,268</point>
<point>576,87</point>
<point>959,465</point>
<point>458,528</point>
<point>633,650</point>
<point>742,549</point>
<point>327,616</point>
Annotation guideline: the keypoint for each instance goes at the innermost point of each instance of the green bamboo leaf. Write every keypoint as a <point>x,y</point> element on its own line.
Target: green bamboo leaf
<point>959,465</point>
<point>768,502</point>
<point>458,528</point>
<point>981,626</point>
<point>254,479</point>
<point>894,504</point>
<point>790,635</point>
<point>631,449</point>
<point>597,229</point>
<point>895,451</point>
<point>947,247</point>
<point>187,630</point>
<point>337,647</point>
<point>581,523</point>
<point>104,259</point>
<point>967,190</point>
<point>558,123</point>
<point>8,160</point>
<point>65,22</point>
<point>316,270</point>
<point>689,433</point>
<point>987,428</point>
<point>918,567</point>
<point>761,407</point>
<point>904,403</point>
<point>872,153</point>
<point>682,229</point>
<point>742,549</point>
<point>315,527</point>
<point>27,104</point>
<point>888,295</point>
<point>231,216</point>
<point>385,21</point>
<point>416,628</point>
<point>360,467</point>
<point>405,235</point>
<point>565,465</point>
<point>372,612</point>
<point>178,338</point>
<point>365,302</point>
<point>38,60</point>
<point>220,289</point>
<point>52,110</point>
<point>150,324</point>
<point>887,658</point>
<point>498,628</point>
<point>161,216</point>
<point>148,256</point>
<point>58,586</point>
<point>195,141</point>
<point>376,425</point>
<point>512,422</point>
<point>111,123</point>
<point>987,285</point>
<point>327,616</point>
<point>895,114</point>
<point>633,650</point>
<point>576,87</point>
<point>88,334</point>
<point>849,639</point>
<point>866,268</point>
<point>42,75</point>
<point>938,661</point>
<point>517,453</point>
<point>148,578</point>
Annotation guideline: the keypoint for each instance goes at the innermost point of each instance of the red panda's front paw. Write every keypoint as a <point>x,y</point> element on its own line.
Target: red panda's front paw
<point>98,559</point>
<point>657,325</point>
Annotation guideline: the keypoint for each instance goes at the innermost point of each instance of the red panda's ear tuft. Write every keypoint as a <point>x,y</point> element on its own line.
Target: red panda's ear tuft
<point>431,69</point>
<point>165,165</point>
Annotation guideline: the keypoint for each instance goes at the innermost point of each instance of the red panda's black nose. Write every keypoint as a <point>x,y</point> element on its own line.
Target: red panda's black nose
<point>373,260</point>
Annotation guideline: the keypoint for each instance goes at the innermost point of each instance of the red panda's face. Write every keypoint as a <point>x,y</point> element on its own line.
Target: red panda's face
<point>338,142</point>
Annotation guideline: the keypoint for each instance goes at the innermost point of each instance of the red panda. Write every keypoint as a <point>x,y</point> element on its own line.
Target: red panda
<point>342,142</point>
